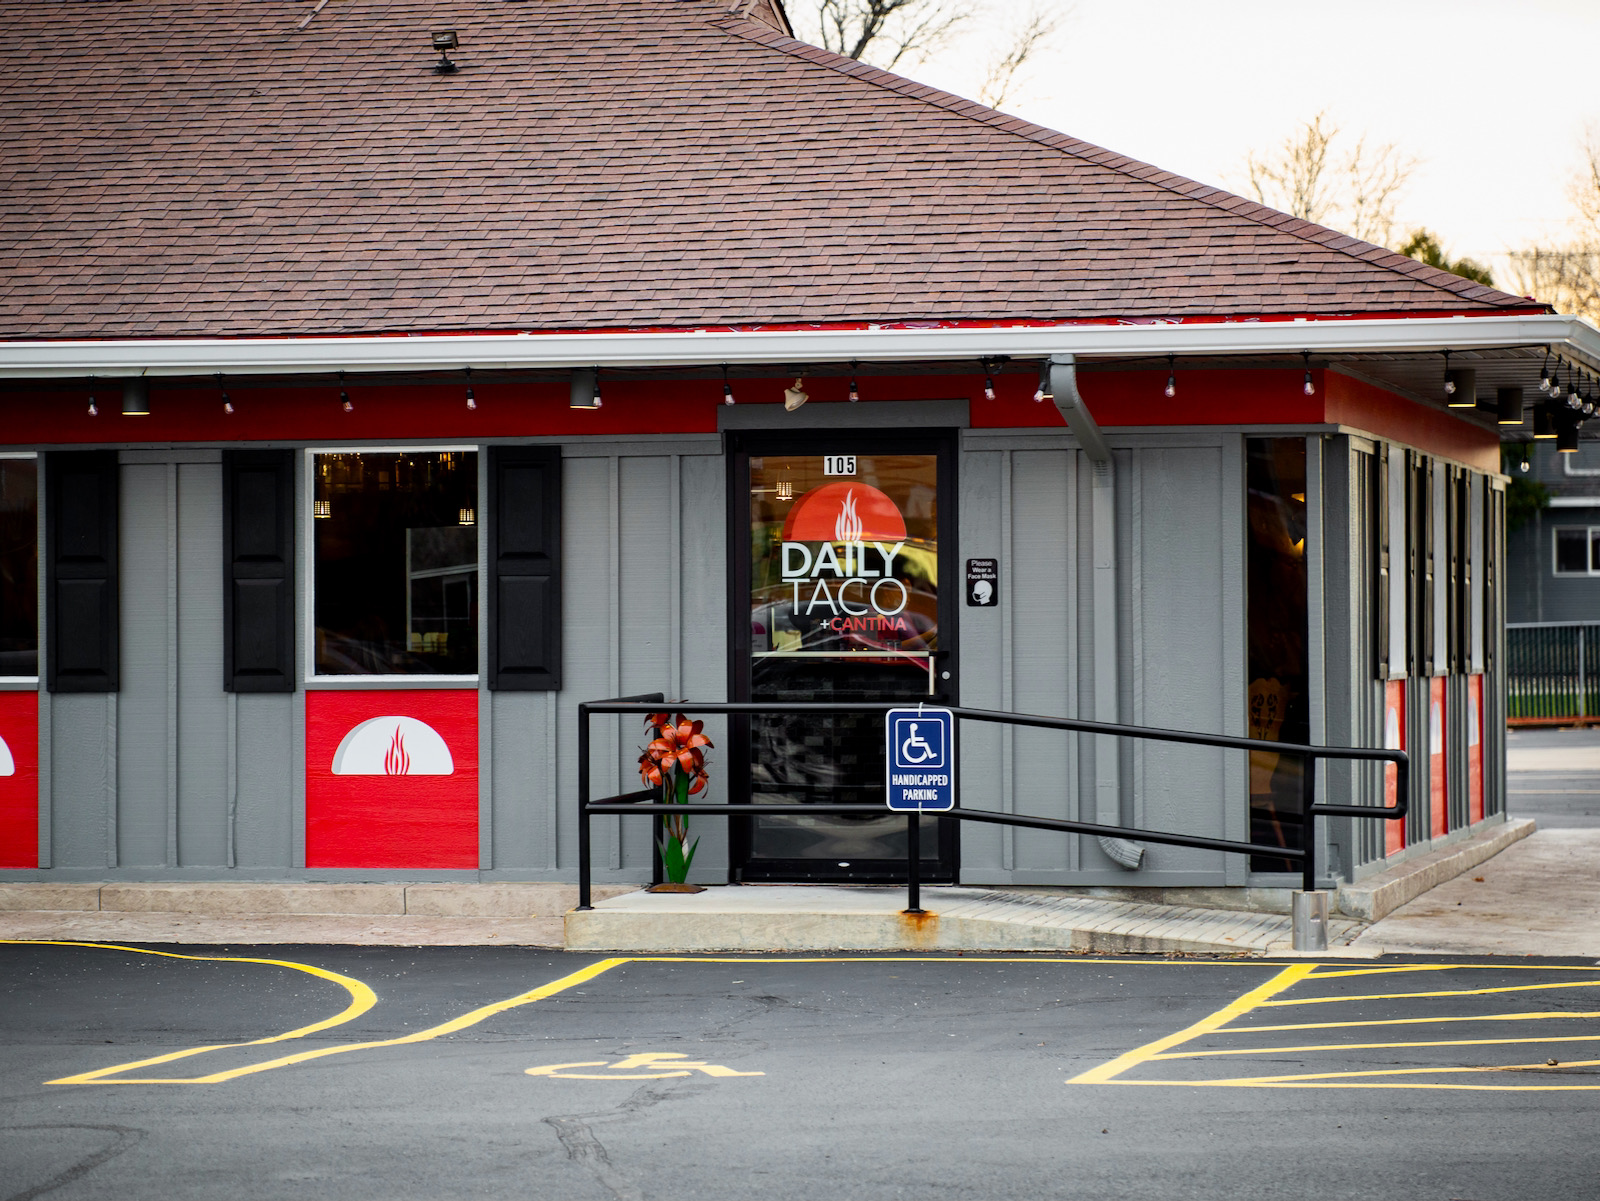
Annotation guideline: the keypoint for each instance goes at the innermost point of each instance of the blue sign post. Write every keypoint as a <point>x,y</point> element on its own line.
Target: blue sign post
<point>921,745</point>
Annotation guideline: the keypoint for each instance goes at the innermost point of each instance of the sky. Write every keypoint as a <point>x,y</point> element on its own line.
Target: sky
<point>1492,97</point>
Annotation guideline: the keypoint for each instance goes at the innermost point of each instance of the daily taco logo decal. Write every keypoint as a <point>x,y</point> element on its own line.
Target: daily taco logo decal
<point>393,746</point>
<point>8,765</point>
<point>840,542</point>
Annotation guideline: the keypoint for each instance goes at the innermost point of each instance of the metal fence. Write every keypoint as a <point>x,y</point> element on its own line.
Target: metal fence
<point>1553,672</point>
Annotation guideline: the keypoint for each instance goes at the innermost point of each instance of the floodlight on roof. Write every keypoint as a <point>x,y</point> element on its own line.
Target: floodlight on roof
<point>444,41</point>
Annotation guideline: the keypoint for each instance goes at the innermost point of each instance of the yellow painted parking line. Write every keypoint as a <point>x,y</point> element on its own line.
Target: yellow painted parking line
<point>470,1018</point>
<point>1268,995</point>
<point>1546,1015</point>
<point>1453,992</point>
<point>1448,1042</point>
<point>362,999</point>
<point>1287,978</point>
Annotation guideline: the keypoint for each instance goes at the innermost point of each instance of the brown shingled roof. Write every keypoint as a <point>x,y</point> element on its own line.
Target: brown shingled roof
<point>181,169</point>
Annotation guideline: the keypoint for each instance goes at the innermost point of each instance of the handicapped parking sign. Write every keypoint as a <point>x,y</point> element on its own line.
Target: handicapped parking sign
<point>921,747</point>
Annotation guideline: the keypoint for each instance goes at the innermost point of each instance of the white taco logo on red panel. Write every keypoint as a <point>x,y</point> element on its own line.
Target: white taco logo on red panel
<point>393,746</point>
<point>8,765</point>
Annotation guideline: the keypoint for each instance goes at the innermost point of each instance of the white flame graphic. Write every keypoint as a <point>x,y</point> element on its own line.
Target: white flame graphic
<point>848,527</point>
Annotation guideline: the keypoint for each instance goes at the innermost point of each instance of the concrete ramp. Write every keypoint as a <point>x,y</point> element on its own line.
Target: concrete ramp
<point>805,918</point>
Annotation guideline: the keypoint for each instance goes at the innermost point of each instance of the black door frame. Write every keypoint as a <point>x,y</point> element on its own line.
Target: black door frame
<point>739,445</point>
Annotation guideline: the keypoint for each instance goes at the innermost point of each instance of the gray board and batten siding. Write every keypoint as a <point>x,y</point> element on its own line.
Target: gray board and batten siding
<point>174,778</point>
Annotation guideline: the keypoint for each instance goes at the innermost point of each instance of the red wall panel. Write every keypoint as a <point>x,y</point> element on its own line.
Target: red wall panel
<point>1474,749</point>
<point>19,779</point>
<point>1438,780</point>
<point>1394,739</point>
<point>392,779</point>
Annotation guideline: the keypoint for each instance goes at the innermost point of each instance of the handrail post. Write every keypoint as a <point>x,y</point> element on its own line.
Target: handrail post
<point>914,863</point>
<point>1309,908</point>
<point>583,808</point>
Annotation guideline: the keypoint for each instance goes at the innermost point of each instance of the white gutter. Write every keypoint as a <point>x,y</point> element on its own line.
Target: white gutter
<point>1573,337</point>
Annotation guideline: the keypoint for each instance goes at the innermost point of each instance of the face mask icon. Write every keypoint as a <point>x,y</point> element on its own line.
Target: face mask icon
<point>983,593</point>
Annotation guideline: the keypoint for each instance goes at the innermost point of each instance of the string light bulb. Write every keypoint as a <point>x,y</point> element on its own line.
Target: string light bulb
<point>727,392</point>
<point>1449,379</point>
<point>1309,388</point>
<point>1544,372</point>
<point>472,401</point>
<point>1171,389</point>
<point>1555,380</point>
<point>344,397</point>
<point>1043,390</point>
<point>988,380</point>
<point>855,394</point>
<point>597,400</point>
<point>93,409</point>
<point>227,405</point>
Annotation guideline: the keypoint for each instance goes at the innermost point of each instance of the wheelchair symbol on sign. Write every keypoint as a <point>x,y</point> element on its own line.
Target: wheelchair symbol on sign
<point>915,750</point>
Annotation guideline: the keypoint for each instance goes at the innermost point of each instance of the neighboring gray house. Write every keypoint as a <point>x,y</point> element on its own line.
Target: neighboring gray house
<point>1554,557</point>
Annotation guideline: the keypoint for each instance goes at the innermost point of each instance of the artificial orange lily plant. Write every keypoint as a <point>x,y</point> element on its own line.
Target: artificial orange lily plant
<point>675,762</point>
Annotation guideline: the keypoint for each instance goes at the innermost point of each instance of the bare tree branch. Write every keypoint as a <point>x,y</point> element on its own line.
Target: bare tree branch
<point>1568,275</point>
<point>885,32</point>
<point>1030,37</point>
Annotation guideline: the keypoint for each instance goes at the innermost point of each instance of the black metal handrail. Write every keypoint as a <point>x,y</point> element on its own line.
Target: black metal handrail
<point>647,801</point>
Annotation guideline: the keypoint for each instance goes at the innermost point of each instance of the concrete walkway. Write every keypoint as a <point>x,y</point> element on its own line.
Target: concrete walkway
<point>1541,896</point>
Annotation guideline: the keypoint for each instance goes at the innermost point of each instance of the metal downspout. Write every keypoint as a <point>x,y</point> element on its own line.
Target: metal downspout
<point>1103,526</point>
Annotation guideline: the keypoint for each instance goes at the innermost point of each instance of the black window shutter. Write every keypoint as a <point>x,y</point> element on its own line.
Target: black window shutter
<point>258,570</point>
<point>81,570</point>
<point>525,568</point>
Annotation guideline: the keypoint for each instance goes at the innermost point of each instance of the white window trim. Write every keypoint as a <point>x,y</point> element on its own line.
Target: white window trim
<point>31,683</point>
<point>308,574</point>
<point>1555,551</point>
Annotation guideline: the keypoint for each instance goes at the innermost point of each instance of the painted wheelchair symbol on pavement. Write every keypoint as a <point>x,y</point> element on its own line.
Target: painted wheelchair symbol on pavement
<point>667,1063</point>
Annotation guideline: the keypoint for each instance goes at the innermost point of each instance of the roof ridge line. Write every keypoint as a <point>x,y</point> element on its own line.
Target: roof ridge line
<point>1209,194</point>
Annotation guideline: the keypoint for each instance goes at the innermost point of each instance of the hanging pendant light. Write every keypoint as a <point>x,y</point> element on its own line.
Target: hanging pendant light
<point>1171,389</point>
<point>472,401</point>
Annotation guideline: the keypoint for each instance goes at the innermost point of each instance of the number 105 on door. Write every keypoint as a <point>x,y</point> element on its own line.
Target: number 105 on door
<point>838,464</point>
<point>921,757</point>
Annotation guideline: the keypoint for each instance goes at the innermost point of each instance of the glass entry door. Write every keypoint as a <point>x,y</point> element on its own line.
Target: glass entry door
<point>837,597</point>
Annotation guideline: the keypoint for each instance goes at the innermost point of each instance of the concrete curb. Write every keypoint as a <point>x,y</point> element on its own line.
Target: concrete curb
<point>1378,896</point>
<point>247,900</point>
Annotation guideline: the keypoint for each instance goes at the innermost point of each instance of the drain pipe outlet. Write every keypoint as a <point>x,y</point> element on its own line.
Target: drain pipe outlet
<point>1103,524</point>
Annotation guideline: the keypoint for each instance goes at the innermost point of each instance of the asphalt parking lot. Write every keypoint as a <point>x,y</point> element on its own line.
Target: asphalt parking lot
<point>181,1072</point>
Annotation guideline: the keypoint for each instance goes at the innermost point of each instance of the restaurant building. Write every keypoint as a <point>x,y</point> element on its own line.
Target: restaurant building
<point>369,398</point>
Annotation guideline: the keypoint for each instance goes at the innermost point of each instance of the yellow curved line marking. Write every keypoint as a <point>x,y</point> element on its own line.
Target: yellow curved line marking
<point>362,999</point>
<point>555,1072</point>
<point>1441,1071</point>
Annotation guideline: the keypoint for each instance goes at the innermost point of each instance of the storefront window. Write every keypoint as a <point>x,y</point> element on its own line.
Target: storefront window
<point>1279,687</point>
<point>396,563</point>
<point>19,566</point>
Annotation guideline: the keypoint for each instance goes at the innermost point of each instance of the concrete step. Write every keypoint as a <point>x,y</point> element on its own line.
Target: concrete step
<point>806,918</point>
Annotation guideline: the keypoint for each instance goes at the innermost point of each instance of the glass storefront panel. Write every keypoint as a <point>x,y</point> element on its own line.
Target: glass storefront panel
<point>396,563</point>
<point>19,566</point>
<point>1279,684</point>
<point>844,606</point>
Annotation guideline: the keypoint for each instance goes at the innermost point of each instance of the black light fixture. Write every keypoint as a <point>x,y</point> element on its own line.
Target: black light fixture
<point>135,398</point>
<point>727,391</point>
<point>988,380</point>
<point>1508,403</point>
<point>227,405</point>
<point>1543,426</point>
<point>1309,388</point>
<point>1567,437</point>
<point>855,394</point>
<point>1171,389</point>
<point>344,396</point>
<point>585,392</point>
<point>444,41</point>
<point>1460,386</point>
<point>472,401</point>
